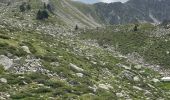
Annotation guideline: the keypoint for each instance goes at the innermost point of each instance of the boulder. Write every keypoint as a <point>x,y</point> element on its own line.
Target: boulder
<point>76,68</point>
<point>105,86</point>
<point>155,80</point>
<point>5,62</point>
<point>136,78</point>
<point>165,79</point>
<point>3,80</point>
<point>79,74</point>
<point>119,95</point>
<point>138,67</point>
<point>26,49</point>
<point>127,74</point>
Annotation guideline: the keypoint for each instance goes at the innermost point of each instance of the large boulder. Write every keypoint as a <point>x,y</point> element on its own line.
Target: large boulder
<point>6,62</point>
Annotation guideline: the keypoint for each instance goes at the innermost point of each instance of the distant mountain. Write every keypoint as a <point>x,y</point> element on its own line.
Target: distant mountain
<point>71,13</point>
<point>154,11</point>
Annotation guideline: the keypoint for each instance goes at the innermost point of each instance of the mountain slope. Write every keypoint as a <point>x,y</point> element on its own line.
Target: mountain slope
<point>44,59</point>
<point>62,12</point>
<point>40,64</point>
<point>154,11</point>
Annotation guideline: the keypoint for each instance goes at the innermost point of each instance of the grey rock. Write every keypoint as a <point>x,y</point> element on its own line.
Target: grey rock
<point>6,62</point>
<point>136,78</point>
<point>79,74</point>
<point>76,68</point>
<point>119,95</point>
<point>26,49</point>
<point>3,80</point>
<point>127,74</point>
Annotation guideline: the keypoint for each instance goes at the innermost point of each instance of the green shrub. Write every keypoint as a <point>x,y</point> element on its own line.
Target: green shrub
<point>1,69</point>
<point>54,84</point>
<point>4,37</point>
<point>21,95</point>
<point>42,90</point>
<point>4,87</point>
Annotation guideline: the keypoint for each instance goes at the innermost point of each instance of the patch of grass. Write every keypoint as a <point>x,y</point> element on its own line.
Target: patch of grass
<point>42,90</point>
<point>4,37</point>
<point>1,69</point>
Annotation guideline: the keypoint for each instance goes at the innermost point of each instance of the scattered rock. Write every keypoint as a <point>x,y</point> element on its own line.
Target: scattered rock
<point>119,95</point>
<point>79,74</point>
<point>94,88</point>
<point>93,62</point>
<point>26,49</point>
<point>105,86</point>
<point>138,67</point>
<point>76,68</point>
<point>165,79</point>
<point>3,80</point>
<point>55,64</point>
<point>136,78</point>
<point>127,74</point>
<point>124,66</point>
<point>137,88</point>
<point>155,80</point>
<point>6,62</point>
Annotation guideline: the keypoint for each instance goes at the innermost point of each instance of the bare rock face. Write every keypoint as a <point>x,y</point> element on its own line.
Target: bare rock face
<point>6,62</point>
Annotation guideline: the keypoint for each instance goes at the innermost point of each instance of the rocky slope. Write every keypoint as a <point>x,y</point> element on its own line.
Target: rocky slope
<point>154,11</point>
<point>48,60</point>
<point>62,12</point>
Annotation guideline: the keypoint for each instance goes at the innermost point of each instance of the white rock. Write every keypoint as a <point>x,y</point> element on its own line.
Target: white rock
<point>124,66</point>
<point>155,80</point>
<point>79,74</point>
<point>138,67</point>
<point>136,78</point>
<point>5,62</point>
<point>76,68</point>
<point>119,95</point>
<point>166,79</point>
<point>55,64</point>
<point>3,80</point>
<point>93,62</point>
<point>26,49</point>
<point>105,86</point>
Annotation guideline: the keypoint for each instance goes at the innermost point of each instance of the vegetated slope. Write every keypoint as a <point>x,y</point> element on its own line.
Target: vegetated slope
<point>44,59</point>
<point>70,13</point>
<point>62,12</point>
<point>150,42</point>
<point>47,66</point>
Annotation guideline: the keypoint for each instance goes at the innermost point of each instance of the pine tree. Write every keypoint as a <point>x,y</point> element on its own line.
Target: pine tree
<point>45,6</point>
<point>42,15</point>
<point>39,15</point>
<point>22,7</point>
<point>45,14</point>
<point>50,8</point>
<point>135,28</point>
<point>28,7</point>
<point>76,28</point>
